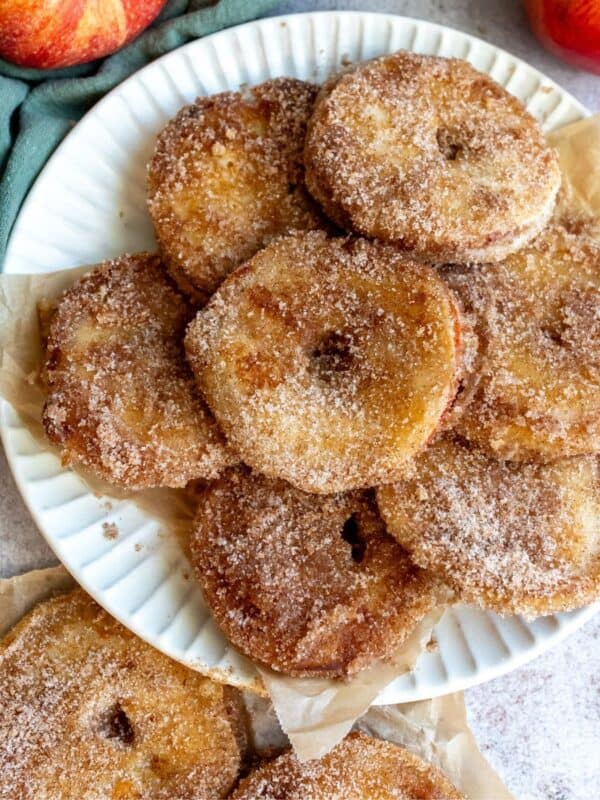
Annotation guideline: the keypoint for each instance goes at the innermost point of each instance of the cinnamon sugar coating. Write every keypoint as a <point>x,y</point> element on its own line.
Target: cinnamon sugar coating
<point>538,318</point>
<point>89,711</point>
<point>359,768</point>
<point>328,362</point>
<point>513,537</point>
<point>310,586</point>
<point>431,154</point>
<point>227,177</point>
<point>121,397</point>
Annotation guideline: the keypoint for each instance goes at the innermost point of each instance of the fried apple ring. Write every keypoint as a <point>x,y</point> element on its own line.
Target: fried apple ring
<point>310,586</point>
<point>121,397</point>
<point>328,362</point>
<point>359,768</point>
<point>226,177</point>
<point>513,537</point>
<point>430,154</point>
<point>538,390</point>
<point>89,711</point>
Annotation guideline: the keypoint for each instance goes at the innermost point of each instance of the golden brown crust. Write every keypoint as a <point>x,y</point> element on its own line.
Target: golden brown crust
<point>310,586</point>
<point>90,711</point>
<point>475,307</point>
<point>121,398</point>
<point>431,154</point>
<point>538,317</point>
<point>319,351</point>
<point>227,177</point>
<point>517,538</point>
<point>359,768</point>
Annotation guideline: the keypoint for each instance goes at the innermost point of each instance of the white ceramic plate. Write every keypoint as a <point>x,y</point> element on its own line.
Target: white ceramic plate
<point>89,204</point>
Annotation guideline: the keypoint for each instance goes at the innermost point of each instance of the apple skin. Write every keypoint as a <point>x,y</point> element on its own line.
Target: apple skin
<point>59,33</point>
<point>568,28</point>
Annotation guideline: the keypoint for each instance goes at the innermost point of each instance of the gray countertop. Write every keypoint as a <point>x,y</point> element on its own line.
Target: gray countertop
<point>539,725</point>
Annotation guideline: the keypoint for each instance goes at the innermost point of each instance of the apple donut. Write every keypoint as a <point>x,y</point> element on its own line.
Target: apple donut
<point>121,398</point>
<point>89,711</point>
<point>359,768</point>
<point>328,362</point>
<point>513,537</point>
<point>226,177</point>
<point>538,388</point>
<point>310,586</point>
<point>430,154</point>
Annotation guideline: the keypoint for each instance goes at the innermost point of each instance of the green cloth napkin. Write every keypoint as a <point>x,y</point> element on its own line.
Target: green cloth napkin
<point>39,107</point>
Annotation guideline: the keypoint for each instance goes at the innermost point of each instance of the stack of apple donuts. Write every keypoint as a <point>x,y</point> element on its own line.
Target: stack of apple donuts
<point>369,338</point>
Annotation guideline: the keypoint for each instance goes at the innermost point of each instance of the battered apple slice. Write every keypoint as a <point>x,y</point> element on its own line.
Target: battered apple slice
<point>310,586</point>
<point>121,397</point>
<point>227,177</point>
<point>538,317</point>
<point>328,362</point>
<point>430,154</point>
<point>513,537</point>
<point>89,711</point>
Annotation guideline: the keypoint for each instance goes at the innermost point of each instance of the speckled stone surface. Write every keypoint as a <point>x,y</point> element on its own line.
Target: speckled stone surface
<point>540,725</point>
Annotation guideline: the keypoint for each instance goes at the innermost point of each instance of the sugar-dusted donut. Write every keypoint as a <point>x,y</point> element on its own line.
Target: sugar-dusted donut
<point>89,711</point>
<point>538,386</point>
<point>328,362</point>
<point>226,177</point>
<point>359,768</point>
<point>121,397</point>
<point>431,154</point>
<point>513,537</point>
<point>310,586</point>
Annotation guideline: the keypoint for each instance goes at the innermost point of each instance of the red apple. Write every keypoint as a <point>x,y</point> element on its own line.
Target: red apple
<point>59,33</point>
<point>569,28</point>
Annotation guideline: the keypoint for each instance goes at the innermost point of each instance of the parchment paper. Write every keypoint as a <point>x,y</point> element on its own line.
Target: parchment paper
<point>20,594</point>
<point>578,146</point>
<point>436,730</point>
